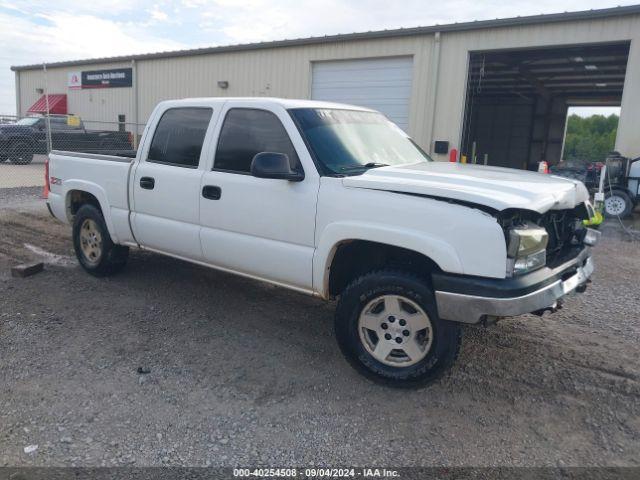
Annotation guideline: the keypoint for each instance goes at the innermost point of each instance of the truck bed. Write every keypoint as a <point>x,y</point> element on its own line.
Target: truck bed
<point>106,177</point>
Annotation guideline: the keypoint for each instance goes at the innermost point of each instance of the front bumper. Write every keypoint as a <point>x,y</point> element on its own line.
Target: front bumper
<point>472,299</point>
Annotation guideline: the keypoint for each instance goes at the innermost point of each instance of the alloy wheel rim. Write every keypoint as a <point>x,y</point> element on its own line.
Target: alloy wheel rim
<point>90,241</point>
<point>395,330</point>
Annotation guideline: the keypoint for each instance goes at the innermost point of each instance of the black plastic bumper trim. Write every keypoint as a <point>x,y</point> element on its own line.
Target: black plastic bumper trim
<point>507,287</point>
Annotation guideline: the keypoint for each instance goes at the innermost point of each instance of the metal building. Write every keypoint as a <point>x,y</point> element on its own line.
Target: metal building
<point>497,88</point>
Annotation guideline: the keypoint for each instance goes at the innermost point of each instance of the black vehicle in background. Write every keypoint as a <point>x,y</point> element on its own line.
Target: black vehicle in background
<point>621,185</point>
<point>20,141</point>
<point>585,171</point>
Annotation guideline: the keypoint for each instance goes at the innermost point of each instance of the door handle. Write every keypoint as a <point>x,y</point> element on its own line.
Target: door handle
<point>147,183</point>
<point>211,192</point>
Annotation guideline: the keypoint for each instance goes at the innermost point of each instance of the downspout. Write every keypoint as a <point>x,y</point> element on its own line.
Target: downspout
<point>134,67</point>
<point>435,70</point>
<point>18,96</point>
<point>48,118</point>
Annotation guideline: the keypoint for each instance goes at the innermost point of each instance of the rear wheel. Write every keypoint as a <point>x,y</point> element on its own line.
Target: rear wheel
<point>20,152</point>
<point>617,203</point>
<point>95,250</point>
<point>388,328</point>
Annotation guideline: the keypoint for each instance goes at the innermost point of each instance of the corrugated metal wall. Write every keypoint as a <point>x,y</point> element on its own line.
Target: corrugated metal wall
<point>502,131</point>
<point>286,72</point>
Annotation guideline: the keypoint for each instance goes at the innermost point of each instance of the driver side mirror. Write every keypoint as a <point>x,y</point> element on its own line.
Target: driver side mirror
<point>274,165</point>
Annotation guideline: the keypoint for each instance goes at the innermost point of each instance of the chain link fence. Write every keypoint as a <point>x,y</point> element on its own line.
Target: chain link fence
<point>25,143</point>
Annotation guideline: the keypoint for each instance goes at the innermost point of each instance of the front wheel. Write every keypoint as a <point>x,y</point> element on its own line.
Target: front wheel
<point>95,250</point>
<point>388,328</point>
<point>20,153</point>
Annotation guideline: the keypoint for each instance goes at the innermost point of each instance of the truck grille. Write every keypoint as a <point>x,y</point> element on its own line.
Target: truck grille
<point>561,225</point>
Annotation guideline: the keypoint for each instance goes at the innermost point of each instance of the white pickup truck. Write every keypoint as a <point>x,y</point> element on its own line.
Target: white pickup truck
<point>334,201</point>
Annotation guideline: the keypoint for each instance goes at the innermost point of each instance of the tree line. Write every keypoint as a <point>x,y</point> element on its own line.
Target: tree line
<point>590,138</point>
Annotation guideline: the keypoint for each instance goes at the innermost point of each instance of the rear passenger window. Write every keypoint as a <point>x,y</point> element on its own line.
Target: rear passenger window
<point>179,136</point>
<point>59,124</point>
<point>245,133</point>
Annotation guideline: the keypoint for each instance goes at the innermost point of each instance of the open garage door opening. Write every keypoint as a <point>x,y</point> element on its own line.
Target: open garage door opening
<point>517,100</point>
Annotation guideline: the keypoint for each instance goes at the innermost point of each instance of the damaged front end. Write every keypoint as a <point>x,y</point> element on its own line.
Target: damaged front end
<point>566,232</point>
<point>548,257</point>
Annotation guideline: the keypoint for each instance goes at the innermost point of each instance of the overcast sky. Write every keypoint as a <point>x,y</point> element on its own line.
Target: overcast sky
<point>35,31</point>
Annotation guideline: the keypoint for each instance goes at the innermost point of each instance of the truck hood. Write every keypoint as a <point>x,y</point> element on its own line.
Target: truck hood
<point>494,187</point>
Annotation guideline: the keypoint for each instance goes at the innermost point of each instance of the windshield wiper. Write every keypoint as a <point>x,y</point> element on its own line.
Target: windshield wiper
<point>375,164</point>
<point>363,167</point>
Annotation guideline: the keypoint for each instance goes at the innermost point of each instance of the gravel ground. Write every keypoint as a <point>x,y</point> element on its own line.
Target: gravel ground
<point>13,176</point>
<point>241,373</point>
<point>12,198</point>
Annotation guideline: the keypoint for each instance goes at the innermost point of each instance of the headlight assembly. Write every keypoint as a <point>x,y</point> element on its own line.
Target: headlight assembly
<point>526,250</point>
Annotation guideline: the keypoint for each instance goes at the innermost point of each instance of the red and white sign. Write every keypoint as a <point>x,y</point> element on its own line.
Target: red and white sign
<point>74,80</point>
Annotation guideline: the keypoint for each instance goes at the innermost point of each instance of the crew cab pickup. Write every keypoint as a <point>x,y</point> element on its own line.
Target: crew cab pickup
<point>28,136</point>
<point>338,202</point>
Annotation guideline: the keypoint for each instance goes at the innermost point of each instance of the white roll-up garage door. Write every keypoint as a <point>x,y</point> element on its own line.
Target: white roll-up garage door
<point>383,84</point>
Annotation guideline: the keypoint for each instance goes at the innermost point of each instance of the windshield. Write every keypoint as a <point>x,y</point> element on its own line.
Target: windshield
<point>28,121</point>
<point>349,142</point>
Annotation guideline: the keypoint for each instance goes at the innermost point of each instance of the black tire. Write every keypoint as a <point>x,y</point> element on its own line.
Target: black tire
<point>617,203</point>
<point>111,258</point>
<point>446,336</point>
<point>20,152</point>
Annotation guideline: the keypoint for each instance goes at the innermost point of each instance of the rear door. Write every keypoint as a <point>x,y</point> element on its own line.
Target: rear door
<point>260,227</point>
<point>166,183</point>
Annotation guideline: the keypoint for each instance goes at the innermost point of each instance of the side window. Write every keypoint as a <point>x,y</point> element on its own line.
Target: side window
<point>59,124</point>
<point>245,133</point>
<point>179,136</point>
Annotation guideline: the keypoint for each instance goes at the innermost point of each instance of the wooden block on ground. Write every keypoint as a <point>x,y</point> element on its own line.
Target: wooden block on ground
<point>27,269</point>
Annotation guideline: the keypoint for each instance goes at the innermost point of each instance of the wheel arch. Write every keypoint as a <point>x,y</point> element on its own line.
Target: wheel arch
<point>78,194</point>
<point>375,247</point>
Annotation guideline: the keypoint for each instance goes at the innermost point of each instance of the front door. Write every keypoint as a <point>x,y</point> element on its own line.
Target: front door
<point>263,228</point>
<point>166,184</point>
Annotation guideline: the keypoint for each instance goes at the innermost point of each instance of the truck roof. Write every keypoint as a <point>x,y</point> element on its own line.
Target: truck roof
<point>284,102</point>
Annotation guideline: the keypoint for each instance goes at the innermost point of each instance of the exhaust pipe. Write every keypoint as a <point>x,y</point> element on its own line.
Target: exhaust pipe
<point>551,309</point>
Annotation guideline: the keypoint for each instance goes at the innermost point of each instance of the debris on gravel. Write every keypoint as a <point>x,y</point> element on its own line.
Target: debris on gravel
<point>30,449</point>
<point>27,269</point>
